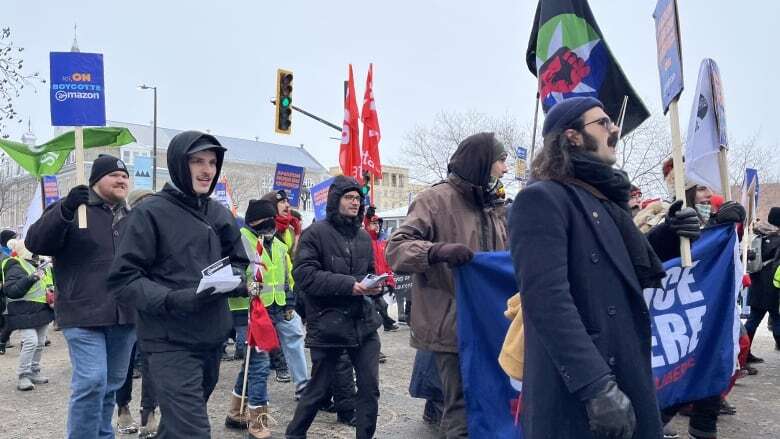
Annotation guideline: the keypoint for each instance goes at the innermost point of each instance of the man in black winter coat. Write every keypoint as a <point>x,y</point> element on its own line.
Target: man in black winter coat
<point>99,331</point>
<point>764,298</point>
<point>581,266</point>
<point>170,238</point>
<point>333,257</point>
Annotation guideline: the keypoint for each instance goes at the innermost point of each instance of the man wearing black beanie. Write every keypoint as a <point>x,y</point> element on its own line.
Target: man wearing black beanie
<point>171,238</point>
<point>763,297</point>
<point>99,330</point>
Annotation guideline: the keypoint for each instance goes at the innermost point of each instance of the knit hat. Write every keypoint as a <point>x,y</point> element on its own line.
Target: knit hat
<point>104,165</point>
<point>275,196</point>
<point>774,216</point>
<point>563,114</point>
<point>5,236</point>
<point>259,210</point>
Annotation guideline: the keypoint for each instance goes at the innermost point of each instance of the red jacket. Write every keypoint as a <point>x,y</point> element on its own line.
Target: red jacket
<point>380,262</point>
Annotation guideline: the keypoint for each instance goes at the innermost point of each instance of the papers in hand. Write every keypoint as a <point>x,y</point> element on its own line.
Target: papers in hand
<point>219,276</point>
<point>373,281</point>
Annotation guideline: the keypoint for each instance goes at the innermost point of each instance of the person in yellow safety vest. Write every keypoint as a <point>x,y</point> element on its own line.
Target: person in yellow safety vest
<point>269,261</point>
<point>25,285</point>
<point>287,231</point>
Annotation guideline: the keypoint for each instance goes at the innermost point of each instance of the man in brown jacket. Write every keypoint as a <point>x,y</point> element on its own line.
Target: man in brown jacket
<point>445,225</point>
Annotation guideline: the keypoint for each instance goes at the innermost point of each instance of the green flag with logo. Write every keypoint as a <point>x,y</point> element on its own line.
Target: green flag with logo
<point>48,158</point>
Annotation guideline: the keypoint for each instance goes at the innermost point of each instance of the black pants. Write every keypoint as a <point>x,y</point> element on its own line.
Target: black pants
<point>453,417</point>
<point>365,359</point>
<point>704,416</point>
<point>148,395</point>
<point>184,381</point>
<point>342,389</point>
<point>381,307</point>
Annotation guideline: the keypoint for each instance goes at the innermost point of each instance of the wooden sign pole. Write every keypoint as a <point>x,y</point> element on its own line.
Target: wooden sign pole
<point>80,177</point>
<point>723,164</point>
<point>679,177</point>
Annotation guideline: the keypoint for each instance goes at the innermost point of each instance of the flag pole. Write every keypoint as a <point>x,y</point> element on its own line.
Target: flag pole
<point>679,177</point>
<point>80,177</point>
<point>723,164</point>
<point>533,132</point>
<point>373,200</point>
<point>622,116</point>
<point>748,229</point>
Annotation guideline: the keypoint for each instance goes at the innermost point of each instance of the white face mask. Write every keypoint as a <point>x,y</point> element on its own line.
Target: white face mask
<point>705,210</point>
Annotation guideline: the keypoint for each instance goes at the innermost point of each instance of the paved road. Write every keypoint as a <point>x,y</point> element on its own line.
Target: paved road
<point>42,413</point>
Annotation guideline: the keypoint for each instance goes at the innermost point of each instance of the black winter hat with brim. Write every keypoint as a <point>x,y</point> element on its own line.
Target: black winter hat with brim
<point>5,236</point>
<point>104,165</point>
<point>259,210</point>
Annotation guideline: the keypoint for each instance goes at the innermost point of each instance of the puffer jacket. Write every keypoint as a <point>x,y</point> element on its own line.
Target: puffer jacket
<point>332,255</point>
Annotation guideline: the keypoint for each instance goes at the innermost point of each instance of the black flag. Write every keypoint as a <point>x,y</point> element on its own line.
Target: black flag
<point>568,54</point>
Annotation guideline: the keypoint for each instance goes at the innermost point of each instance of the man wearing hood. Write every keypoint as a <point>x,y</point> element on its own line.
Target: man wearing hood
<point>445,225</point>
<point>333,257</point>
<point>98,329</point>
<point>170,238</point>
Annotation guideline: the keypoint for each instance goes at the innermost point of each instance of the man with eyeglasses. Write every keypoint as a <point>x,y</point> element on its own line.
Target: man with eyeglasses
<point>581,266</point>
<point>333,257</point>
<point>635,202</point>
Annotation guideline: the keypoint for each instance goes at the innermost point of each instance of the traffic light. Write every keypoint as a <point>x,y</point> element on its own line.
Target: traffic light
<point>365,190</point>
<point>284,89</point>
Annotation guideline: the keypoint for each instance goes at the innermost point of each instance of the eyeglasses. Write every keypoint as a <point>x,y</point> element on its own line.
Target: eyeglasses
<point>636,194</point>
<point>351,198</point>
<point>605,121</point>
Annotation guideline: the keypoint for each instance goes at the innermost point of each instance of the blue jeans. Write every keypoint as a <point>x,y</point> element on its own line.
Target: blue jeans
<point>241,338</point>
<point>291,338</point>
<point>257,382</point>
<point>100,357</point>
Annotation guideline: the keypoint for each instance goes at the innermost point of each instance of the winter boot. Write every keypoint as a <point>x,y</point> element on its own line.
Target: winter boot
<point>37,378</point>
<point>2,348</point>
<point>25,384</point>
<point>283,376</point>
<point>125,423</point>
<point>753,359</point>
<point>347,417</point>
<point>259,423</point>
<point>148,425</point>
<point>234,418</point>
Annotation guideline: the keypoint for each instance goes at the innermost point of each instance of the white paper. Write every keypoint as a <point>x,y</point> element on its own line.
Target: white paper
<point>222,280</point>
<point>372,280</point>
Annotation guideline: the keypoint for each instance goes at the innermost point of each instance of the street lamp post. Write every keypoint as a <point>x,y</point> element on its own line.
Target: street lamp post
<point>154,135</point>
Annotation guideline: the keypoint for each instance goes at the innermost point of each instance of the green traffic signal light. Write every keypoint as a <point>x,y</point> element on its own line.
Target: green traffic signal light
<point>285,102</point>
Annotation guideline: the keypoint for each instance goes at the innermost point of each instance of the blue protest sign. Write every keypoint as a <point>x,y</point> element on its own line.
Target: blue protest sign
<point>695,338</point>
<point>667,34</point>
<point>77,92</point>
<point>319,196</point>
<point>142,173</point>
<point>289,178</point>
<point>522,153</point>
<point>51,191</point>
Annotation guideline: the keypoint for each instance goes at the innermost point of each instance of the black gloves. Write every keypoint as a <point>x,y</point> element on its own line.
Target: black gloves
<point>610,413</point>
<point>186,300</point>
<point>729,212</point>
<point>453,254</point>
<point>76,197</point>
<point>684,222</point>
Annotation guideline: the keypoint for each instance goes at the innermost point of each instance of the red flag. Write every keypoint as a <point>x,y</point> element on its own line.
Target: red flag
<point>371,133</point>
<point>349,154</point>
<point>261,332</point>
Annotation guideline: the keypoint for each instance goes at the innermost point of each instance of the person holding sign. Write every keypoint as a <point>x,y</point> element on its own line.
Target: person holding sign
<point>581,265</point>
<point>333,257</point>
<point>177,265</point>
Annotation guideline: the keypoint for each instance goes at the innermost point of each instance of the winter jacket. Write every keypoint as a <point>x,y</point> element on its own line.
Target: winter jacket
<point>332,255</point>
<point>22,314</point>
<point>170,238</point>
<point>763,294</point>
<point>82,258</point>
<point>451,212</point>
<point>584,314</point>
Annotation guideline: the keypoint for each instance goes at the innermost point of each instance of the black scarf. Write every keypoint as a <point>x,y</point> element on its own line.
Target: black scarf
<point>615,188</point>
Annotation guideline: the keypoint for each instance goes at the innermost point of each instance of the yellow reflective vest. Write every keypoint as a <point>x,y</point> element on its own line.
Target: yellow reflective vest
<point>276,268</point>
<point>37,292</point>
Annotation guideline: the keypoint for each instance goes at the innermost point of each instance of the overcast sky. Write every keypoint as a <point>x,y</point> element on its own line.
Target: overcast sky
<point>214,62</point>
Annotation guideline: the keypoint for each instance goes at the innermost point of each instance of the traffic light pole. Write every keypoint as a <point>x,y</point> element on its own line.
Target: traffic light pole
<point>317,118</point>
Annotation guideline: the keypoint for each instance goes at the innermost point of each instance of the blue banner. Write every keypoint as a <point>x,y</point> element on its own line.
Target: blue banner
<point>483,287</point>
<point>695,330</point>
<point>319,197</point>
<point>289,178</point>
<point>51,192</point>
<point>667,35</point>
<point>696,322</point>
<point>77,92</point>
<point>142,173</point>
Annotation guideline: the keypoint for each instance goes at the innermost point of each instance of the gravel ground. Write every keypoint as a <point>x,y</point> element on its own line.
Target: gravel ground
<point>42,413</point>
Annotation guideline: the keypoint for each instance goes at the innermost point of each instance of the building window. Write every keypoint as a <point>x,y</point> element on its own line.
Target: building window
<point>395,182</point>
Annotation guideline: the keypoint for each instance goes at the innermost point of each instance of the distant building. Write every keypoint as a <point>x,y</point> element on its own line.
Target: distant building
<point>249,168</point>
<point>394,189</point>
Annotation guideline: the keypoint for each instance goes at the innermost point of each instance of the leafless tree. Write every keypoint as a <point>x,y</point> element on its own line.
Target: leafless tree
<point>642,152</point>
<point>750,153</point>
<point>12,79</point>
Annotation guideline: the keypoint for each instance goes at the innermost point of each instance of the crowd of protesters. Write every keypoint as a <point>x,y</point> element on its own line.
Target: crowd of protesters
<point>126,292</point>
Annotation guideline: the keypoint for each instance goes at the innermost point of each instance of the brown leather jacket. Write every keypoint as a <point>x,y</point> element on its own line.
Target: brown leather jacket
<point>448,212</point>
